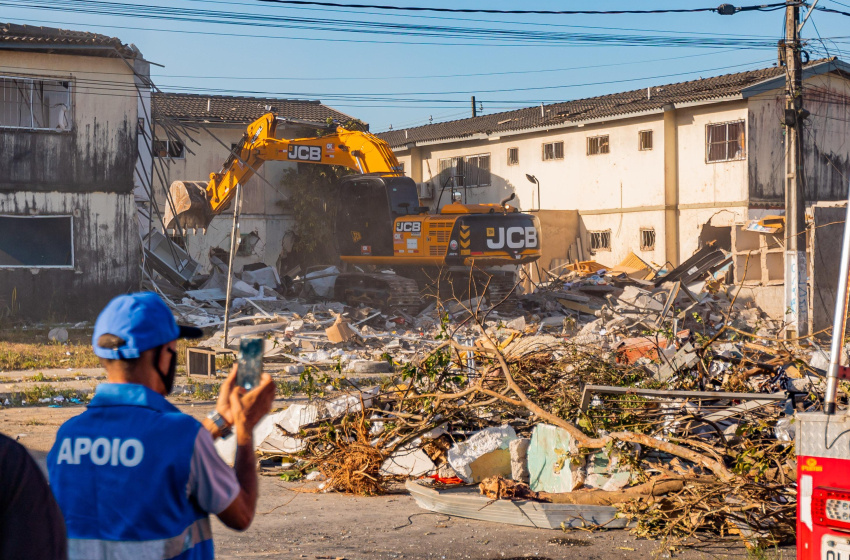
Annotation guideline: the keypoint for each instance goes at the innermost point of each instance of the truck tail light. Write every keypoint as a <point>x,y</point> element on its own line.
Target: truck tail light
<point>831,507</point>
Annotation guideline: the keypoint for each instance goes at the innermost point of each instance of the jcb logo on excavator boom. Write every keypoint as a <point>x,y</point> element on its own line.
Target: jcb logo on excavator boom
<point>514,237</point>
<point>305,153</point>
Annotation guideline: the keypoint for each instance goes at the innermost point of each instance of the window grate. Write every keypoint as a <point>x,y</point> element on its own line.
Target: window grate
<point>600,240</point>
<point>597,145</point>
<point>647,239</point>
<point>553,150</point>
<point>725,142</point>
<point>513,156</point>
<point>645,140</point>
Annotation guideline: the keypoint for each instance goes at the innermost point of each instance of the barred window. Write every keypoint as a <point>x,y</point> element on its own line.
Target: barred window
<point>647,239</point>
<point>600,240</point>
<point>725,141</point>
<point>513,156</point>
<point>477,171</point>
<point>553,150</point>
<point>597,145</point>
<point>645,140</point>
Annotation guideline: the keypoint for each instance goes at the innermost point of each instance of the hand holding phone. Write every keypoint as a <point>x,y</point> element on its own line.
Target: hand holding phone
<point>250,362</point>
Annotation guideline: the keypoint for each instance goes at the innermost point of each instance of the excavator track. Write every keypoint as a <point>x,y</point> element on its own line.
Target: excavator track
<point>383,291</point>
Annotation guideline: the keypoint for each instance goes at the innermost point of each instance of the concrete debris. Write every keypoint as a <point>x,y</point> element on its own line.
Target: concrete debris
<point>462,455</point>
<point>590,385</point>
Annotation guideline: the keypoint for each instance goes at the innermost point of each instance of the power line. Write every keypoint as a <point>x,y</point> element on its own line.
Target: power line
<point>761,8</point>
<point>502,37</point>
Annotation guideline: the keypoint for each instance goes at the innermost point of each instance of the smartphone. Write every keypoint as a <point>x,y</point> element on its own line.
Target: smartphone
<point>250,362</point>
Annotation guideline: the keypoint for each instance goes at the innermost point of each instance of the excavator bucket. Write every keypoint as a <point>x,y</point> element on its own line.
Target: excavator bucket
<point>190,206</point>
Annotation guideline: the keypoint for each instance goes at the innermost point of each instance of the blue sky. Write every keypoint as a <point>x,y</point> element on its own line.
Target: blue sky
<point>355,60</point>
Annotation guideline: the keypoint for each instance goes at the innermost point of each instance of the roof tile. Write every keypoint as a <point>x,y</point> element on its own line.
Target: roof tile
<point>604,106</point>
<point>186,107</point>
<point>71,42</point>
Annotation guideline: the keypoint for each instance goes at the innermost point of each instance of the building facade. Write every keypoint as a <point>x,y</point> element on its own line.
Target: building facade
<point>658,171</point>
<point>69,128</point>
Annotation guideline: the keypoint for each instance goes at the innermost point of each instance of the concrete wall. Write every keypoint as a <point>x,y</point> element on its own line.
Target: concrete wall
<point>825,143</point>
<point>106,257</point>
<point>86,172</point>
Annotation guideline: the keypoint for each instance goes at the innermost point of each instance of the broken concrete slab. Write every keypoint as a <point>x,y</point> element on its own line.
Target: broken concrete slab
<point>408,462</point>
<point>368,366</point>
<point>462,455</point>
<point>519,459</point>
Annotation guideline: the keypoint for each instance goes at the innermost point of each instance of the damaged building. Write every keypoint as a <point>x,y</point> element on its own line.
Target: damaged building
<point>70,123</point>
<point>204,130</point>
<point>657,172</point>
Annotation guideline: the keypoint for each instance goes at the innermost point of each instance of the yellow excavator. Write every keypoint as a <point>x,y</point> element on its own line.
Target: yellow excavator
<point>378,219</point>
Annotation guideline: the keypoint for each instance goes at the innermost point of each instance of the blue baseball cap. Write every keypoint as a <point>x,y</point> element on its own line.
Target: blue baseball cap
<point>142,321</point>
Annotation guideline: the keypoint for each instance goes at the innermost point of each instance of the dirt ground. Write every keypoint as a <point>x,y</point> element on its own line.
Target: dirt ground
<point>293,522</point>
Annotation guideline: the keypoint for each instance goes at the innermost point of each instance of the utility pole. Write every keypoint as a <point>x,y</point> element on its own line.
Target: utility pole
<point>796,284</point>
<point>474,112</point>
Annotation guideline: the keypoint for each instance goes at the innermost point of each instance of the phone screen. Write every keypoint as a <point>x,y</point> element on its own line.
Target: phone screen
<point>250,362</point>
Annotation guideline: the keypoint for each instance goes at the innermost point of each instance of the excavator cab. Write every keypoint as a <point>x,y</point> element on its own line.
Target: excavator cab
<point>367,207</point>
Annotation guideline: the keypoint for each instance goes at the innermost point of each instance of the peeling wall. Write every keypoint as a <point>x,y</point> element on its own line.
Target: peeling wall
<point>106,257</point>
<point>99,153</point>
<point>86,172</point>
<point>826,143</point>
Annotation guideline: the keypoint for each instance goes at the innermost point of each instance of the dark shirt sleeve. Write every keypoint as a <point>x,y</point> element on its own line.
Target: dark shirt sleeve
<point>31,524</point>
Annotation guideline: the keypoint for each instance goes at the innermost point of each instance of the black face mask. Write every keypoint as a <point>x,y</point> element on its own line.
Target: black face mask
<point>167,378</point>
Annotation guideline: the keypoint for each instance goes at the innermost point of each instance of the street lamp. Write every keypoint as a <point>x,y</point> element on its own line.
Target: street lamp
<point>533,179</point>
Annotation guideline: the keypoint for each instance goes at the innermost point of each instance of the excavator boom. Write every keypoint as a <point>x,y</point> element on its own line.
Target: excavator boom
<point>195,203</point>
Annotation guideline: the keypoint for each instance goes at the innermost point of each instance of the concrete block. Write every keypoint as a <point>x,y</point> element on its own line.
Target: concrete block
<point>368,366</point>
<point>519,459</point>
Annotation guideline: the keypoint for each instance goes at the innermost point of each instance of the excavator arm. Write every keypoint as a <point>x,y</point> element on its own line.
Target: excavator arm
<point>193,204</point>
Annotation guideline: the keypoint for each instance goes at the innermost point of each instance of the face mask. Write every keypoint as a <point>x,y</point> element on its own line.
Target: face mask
<point>167,378</point>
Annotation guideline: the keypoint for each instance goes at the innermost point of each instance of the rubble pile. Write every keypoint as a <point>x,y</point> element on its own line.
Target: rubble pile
<point>658,395</point>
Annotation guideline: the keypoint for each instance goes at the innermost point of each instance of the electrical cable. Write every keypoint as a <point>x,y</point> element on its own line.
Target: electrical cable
<point>760,8</point>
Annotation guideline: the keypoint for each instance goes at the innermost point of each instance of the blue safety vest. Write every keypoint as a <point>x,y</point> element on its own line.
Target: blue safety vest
<point>120,472</point>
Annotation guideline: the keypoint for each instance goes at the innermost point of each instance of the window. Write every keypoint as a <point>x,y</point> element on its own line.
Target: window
<point>469,171</point>
<point>553,150</point>
<point>600,240</point>
<point>645,140</point>
<point>597,145</point>
<point>36,242</point>
<point>647,239</point>
<point>451,172</point>
<point>724,141</point>
<point>168,149</point>
<point>513,156</point>
<point>477,171</point>
<point>35,103</point>
<point>401,167</point>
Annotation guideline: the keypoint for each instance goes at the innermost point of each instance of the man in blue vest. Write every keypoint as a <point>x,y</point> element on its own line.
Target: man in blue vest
<point>134,477</point>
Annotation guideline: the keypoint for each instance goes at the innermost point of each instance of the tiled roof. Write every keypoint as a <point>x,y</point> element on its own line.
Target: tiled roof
<point>605,106</point>
<point>63,41</point>
<point>186,107</point>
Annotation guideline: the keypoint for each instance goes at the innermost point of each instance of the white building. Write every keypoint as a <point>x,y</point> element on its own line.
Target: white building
<point>656,171</point>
